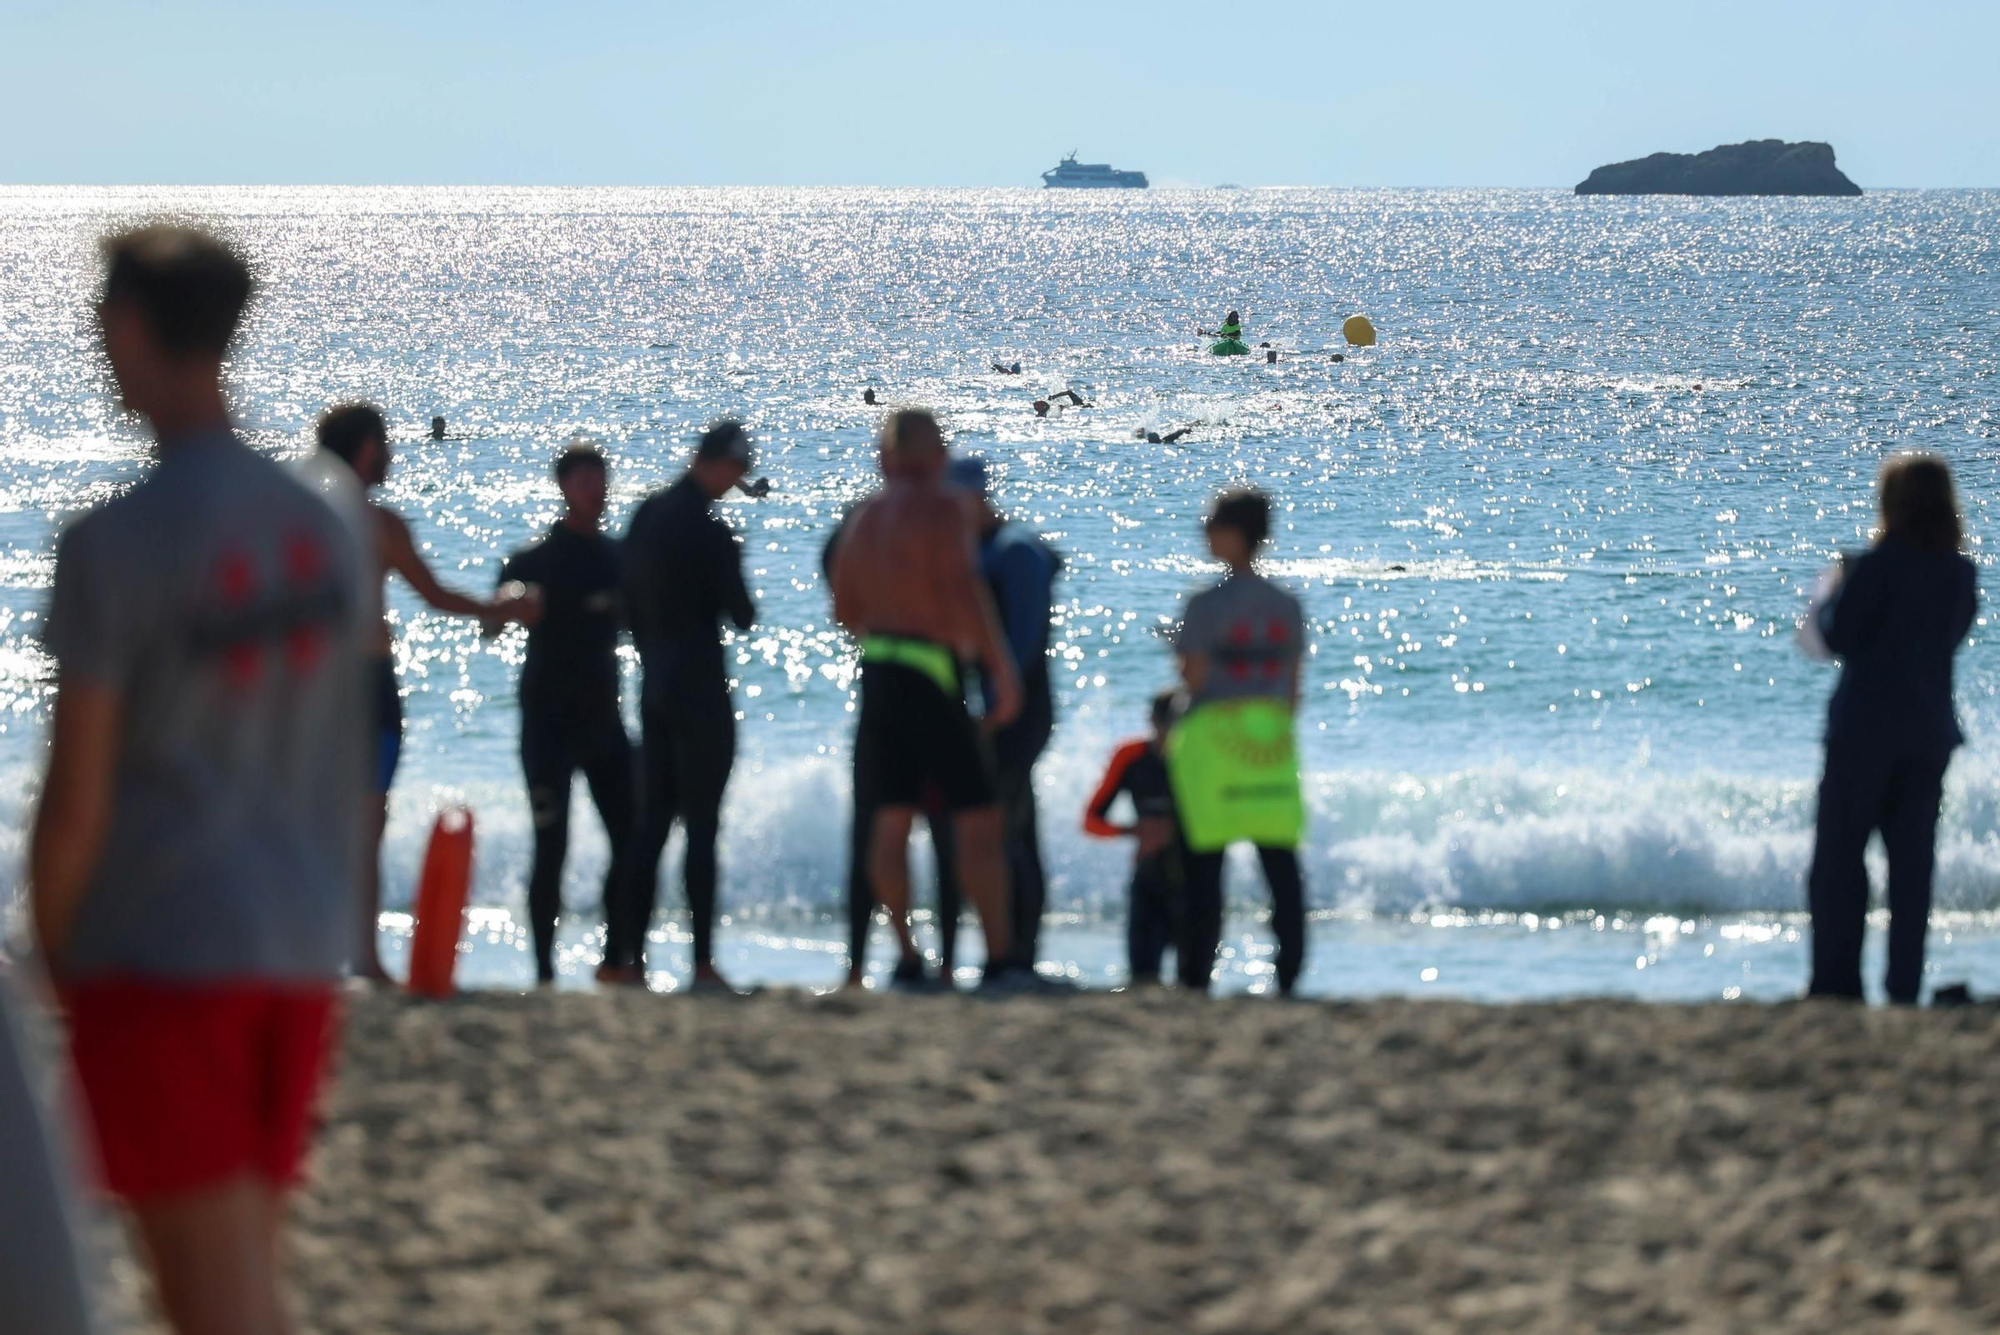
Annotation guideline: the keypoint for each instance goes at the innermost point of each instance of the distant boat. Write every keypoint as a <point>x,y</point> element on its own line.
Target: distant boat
<point>1071,174</point>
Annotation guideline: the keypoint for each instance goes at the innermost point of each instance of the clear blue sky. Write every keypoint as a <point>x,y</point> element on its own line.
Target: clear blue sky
<point>1262,92</point>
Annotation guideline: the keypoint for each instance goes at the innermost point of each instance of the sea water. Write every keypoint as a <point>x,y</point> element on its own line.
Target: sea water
<point>1553,534</point>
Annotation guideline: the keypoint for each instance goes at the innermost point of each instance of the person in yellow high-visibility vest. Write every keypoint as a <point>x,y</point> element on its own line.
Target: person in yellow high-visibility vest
<point>1233,758</point>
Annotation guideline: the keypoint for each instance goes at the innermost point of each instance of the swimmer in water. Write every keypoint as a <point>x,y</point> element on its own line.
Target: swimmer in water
<point>1156,438</point>
<point>1056,402</point>
<point>868,397</point>
<point>1015,369</point>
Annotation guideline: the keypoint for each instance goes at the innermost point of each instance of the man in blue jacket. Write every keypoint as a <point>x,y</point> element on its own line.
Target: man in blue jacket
<point>1021,570</point>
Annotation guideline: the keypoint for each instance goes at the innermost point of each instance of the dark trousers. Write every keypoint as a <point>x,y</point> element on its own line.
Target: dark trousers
<point>687,750</point>
<point>1153,920</point>
<point>861,891</point>
<point>1201,925</point>
<point>554,746</point>
<point>1015,751</point>
<point>1865,789</point>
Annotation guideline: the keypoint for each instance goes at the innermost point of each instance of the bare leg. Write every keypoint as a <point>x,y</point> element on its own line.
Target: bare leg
<point>982,875</point>
<point>889,868</point>
<point>215,1259</point>
<point>367,955</point>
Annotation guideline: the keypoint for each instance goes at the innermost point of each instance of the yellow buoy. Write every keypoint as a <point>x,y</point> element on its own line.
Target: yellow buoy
<point>1359,332</point>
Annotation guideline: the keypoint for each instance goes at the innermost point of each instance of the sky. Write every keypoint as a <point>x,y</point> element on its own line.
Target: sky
<point>769,92</point>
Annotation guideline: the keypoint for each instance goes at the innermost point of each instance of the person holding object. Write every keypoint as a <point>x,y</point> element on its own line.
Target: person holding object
<point>1233,758</point>
<point>906,585</point>
<point>203,821</point>
<point>1895,621</point>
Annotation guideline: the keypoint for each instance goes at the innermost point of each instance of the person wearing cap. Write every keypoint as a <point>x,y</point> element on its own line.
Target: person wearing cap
<point>1020,570</point>
<point>683,577</point>
<point>569,697</point>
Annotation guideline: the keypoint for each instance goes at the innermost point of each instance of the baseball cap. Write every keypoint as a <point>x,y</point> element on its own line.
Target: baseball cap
<point>967,471</point>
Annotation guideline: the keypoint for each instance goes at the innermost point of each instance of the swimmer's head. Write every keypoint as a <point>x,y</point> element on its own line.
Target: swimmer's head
<point>911,444</point>
<point>722,456</point>
<point>1041,407</point>
<point>868,397</point>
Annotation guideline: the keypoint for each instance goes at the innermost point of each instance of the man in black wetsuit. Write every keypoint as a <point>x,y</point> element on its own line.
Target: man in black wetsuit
<point>569,700</point>
<point>683,575</point>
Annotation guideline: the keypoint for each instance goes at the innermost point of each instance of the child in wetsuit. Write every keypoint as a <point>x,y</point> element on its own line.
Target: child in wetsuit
<point>1139,769</point>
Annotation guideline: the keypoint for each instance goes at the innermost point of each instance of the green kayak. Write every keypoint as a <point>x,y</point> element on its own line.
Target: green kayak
<point>1229,347</point>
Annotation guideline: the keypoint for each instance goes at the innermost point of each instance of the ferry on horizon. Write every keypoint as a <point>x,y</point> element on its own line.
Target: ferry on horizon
<point>1071,174</point>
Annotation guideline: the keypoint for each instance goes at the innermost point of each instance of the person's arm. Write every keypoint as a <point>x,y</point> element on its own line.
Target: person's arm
<point>1968,602</point>
<point>399,553</point>
<point>1847,619</point>
<point>1191,643</point>
<point>1095,815</point>
<point>726,571</point>
<point>1024,578</point>
<point>74,817</point>
<point>959,586</point>
<point>841,574</point>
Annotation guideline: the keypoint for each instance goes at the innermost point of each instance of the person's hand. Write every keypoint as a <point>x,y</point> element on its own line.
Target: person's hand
<point>1005,706</point>
<point>517,602</point>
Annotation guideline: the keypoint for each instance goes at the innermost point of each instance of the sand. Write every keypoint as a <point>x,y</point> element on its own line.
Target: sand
<point>596,1164</point>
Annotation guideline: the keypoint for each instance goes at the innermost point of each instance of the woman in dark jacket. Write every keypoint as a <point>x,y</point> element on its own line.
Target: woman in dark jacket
<point>1896,620</point>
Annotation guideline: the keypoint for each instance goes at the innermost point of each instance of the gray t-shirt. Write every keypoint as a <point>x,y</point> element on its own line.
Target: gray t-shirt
<point>223,602</point>
<point>1253,634</point>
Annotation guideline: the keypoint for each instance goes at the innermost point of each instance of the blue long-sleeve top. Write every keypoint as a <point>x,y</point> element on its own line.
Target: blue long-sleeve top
<point>1896,623</point>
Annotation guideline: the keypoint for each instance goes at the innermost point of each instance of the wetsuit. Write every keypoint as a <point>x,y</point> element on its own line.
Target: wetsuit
<point>867,800</point>
<point>1139,771</point>
<point>683,575</point>
<point>1021,569</point>
<point>570,719</point>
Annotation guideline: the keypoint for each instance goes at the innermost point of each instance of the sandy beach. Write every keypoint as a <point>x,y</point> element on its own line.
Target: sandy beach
<point>1105,1163</point>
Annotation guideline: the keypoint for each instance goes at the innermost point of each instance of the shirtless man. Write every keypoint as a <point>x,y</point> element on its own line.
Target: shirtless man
<point>358,434</point>
<point>907,585</point>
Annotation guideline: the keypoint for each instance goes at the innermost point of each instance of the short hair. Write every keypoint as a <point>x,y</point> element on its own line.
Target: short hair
<point>343,430</point>
<point>580,454</point>
<point>1919,502</point>
<point>1165,705</point>
<point>1247,511</point>
<point>188,286</point>
<point>911,431</point>
<point>728,439</point>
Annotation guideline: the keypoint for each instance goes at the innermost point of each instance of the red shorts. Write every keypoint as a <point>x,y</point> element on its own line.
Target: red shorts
<point>188,1086</point>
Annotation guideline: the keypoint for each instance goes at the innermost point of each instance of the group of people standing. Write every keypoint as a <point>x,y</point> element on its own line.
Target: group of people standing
<point>225,725</point>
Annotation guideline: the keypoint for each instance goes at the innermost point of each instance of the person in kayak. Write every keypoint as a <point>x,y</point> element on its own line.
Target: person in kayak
<point>1232,328</point>
<point>906,584</point>
<point>1138,770</point>
<point>683,577</point>
<point>569,701</point>
<point>1241,640</point>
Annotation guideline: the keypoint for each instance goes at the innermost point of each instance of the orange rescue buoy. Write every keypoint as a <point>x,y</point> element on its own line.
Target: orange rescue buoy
<point>440,907</point>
